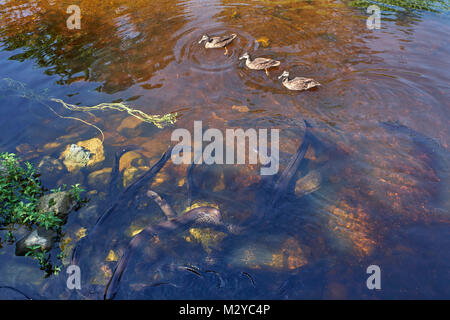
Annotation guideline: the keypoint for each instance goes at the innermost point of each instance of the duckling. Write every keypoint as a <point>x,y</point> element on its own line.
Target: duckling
<point>298,83</point>
<point>259,63</point>
<point>218,42</point>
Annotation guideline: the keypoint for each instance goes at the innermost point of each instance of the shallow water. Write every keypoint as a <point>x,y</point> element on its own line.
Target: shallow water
<point>383,197</point>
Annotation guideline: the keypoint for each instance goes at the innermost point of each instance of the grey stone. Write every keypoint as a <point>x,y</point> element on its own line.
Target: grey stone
<point>40,236</point>
<point>60,202</point>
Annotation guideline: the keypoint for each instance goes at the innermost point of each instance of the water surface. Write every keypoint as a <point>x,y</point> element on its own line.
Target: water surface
<point>383,197</point>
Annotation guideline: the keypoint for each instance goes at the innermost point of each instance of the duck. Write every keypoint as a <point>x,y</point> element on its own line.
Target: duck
<point>298,83</point>
<point>259,63</point>
<point>218,42</point>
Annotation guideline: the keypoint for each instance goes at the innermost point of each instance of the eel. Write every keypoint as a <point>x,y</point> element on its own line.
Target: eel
<point>271,190</point>
<point>115,171</point>
<point>131,189</point>
<point>165,207</point>
<point>16,290</point>
<point>286,176</point>
<point>201,215</point>
<point>190,183</point>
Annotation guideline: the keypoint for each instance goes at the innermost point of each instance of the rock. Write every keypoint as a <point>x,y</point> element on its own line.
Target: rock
<point>131,127</point>
<point>207,237</point>
<point>60,202</point>
<point>265,255</point>
<point>263,41</point>
<point>84,153</point>
<point>81,233</point>
<point>240,108</point>
<point>25,148</point>
<point>352,228</point>
<point>100,177</point>
<point>49,164</point>
<point>132,173</point>
<point>50,167</point>
<point>112,256</point>
<point>127,159</point>
<point>76,157</point>
<point>295,256</point>
<point>160,178</point>
<point>41,236</point>
<point>51,145</point>
<point>308,184</point>
<point>129,123</point>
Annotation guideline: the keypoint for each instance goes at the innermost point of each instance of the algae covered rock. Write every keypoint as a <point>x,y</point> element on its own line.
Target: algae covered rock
<point>83,154</point>
<point>60,202</point>
<point>76,157</point>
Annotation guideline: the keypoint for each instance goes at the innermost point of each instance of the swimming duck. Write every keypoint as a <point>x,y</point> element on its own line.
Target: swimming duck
<point>298,83</point>
<point>218,42</point>
<point>259,63</point>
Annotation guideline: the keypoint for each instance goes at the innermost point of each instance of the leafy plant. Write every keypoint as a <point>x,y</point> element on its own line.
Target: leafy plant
<point>75,192</point>
<point>20,191</point>
<point>390,5</point>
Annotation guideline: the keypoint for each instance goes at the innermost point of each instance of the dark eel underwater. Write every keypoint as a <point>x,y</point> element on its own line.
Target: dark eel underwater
<point>207,215</point>
<point>130,190</point>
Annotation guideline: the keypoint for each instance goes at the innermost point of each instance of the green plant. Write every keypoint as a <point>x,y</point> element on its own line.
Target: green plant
<point>20,191</point>
<point>393,5</point>
<point>75,192</point>
<point>43,258</point>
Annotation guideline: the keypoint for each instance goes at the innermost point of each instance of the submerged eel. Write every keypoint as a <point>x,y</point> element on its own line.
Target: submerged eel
<point>16,290</point>
<point>202,215</point>
<point>270,191</point>
<point>131,189</point>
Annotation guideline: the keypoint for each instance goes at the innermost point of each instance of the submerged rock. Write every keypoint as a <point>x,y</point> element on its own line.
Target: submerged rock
<point>60,202</point>
<point>207,237</point>
<point>263,41</point>
<point>131,174</point>
<point>100,177</point>
<point>76,157</point>
<point>84,153</point>
<point>291,255</point>
<point>128,158</point>
<point>39,237</point>
<point>50,167</point>
<point>308,184</point>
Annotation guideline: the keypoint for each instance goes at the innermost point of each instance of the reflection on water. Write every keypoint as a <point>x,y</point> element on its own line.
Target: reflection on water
<point>373,188</point>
